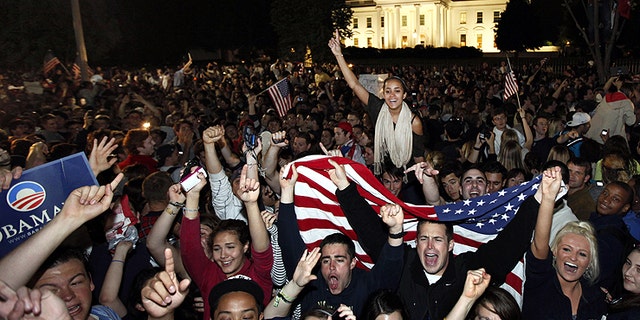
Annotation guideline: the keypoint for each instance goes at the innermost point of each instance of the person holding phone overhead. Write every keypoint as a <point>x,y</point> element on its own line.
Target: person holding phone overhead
<point>398,131</point>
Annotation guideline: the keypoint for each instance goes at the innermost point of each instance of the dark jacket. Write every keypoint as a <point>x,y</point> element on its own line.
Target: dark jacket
<point>384,275</point>
<point>544,299</point>
<point>434,301</point>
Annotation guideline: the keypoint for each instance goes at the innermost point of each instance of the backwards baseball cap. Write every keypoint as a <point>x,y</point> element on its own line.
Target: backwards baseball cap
<point>578,119</point>
<point>239,284</point>
<point>345,126</point>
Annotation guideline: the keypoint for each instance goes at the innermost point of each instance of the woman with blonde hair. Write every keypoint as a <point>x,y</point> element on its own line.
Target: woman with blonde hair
<point>510,155</point>
<point>561,279</point>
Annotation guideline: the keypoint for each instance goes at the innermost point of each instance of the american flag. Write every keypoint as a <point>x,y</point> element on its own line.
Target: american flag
<point>320,215</point>
<point>510,84</point>
<point>50,62</point>
<point>77,72</point>
<point>281,97</point>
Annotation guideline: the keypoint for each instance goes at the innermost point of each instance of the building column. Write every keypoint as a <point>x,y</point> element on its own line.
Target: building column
<point>397,27</point>
<point>376,29</point>
<point>417,31</point>
<point>387,29</point>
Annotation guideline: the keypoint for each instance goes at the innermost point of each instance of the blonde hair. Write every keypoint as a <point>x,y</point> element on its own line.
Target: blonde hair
<point>559,152</point>
<point>510,155</point>
<point>555,126</point>
<point>585,229</point>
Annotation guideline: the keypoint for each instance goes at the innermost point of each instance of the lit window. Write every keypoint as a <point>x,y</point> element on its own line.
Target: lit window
<point>368,22</point>
<point>463,40</point>
<point>355,23</point>
<point>463,18</point>
<point>479,40</point>
<point>496,16</point>
<point>479,17</point>
<point>355,42</point>
<point>405,41</point>
<point>369,42</point>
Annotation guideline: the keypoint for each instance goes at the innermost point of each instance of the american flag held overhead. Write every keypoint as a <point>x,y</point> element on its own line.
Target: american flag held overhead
<point>281,96</point>
<point>320,215</point>
<point>510,84</point>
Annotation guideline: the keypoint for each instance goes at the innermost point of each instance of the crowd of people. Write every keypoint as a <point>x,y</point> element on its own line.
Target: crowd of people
<point>227,245</point>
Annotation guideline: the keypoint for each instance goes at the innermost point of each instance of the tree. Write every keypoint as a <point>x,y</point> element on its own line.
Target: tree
<point>600,24</point>
<point>519,28</point>
<point>308,23</point>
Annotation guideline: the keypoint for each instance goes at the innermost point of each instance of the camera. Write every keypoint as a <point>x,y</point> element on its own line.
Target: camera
<point>191,180</point>
<point>250,138</point>
<point>604,132</point>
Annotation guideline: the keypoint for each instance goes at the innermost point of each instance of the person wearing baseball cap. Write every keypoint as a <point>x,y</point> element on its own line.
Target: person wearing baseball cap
<point>573,136</point>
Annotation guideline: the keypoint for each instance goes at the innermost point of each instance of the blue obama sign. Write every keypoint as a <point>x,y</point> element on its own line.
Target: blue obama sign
<point>37,197</point>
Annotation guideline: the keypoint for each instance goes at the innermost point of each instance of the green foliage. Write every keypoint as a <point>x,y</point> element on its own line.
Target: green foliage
<point>302,23</point>
<point>519,28</point>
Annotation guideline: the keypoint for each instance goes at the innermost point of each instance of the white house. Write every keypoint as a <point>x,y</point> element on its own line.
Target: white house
<point>439,23</point>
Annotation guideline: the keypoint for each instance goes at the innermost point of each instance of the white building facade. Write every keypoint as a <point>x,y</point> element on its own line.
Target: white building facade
<point>389,24</point>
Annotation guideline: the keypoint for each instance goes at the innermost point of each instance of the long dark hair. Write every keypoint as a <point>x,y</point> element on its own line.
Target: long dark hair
<point>500,302</point>
<point>629,300</point>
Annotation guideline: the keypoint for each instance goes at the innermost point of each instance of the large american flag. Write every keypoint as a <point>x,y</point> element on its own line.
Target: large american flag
<point>281,96</point>
<point>50,62</point>
<point>510,84</point>
<point>320,215</point>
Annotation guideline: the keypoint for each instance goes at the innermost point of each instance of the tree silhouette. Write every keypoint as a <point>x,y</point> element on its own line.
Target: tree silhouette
<point>519,28</point>
<point>307,23</point>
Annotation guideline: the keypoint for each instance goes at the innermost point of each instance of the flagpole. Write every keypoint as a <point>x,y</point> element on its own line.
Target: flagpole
<point>511,69</point>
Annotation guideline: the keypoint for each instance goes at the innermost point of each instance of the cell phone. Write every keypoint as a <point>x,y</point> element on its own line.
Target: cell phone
<point>191,180</point>
<point>300,99</point>
<point>482,136</point>
<point>249,136</point>
<point>604,132</point>
<point>599,183</point>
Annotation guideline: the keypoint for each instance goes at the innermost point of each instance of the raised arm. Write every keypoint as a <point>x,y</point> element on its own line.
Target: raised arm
<point>549,188</point>
<point>209,138</point>
<point>427,176</point>
<point>248,192</point>
<point>371,231</point>
<point>157,238</point>
<point>270,160</point>
<point>281,304</point>
<point>82,205</point>
<point>475,285</point>
<point>113,279</point>
<point>163,293</point>
<point>528,142</point>
<point>289,237</point>
<point>349,76</point>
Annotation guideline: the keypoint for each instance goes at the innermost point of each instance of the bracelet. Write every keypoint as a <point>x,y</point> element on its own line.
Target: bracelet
<point>121,261</point>
<point>190,210</point>
<point>398,235</point>
<point>176,204</point>
<point>477,149</point>
<point>285,297</point>
<point>338,55</point>
<point>170,212</point>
